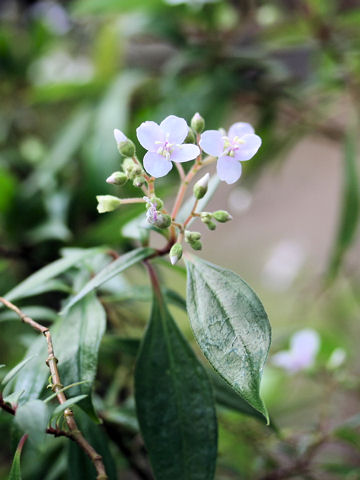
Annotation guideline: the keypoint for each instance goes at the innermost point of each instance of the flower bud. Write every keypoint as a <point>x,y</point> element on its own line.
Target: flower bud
<point>222,216</point>
<point>154,202</point>
<point>163,221</point>
<point>211,225</point>
<point>197,123</point>
<point>128,165</point>
<point>139,181</point>
<point>117,178</point>
<point>196,245</point>
<point>126,148</point>
<point>107,203</point>
<point>175,253</point>
<point>201,186</point>
<point>190,136</point>
<point>206,217</point>
<point>191,237</point>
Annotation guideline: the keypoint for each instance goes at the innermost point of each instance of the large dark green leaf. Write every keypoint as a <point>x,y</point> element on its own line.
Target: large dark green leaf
<point>174,402</point>
<point>349,216</point>
<point>76,343</point>
<point>230,325</point>
<point>114,268</point>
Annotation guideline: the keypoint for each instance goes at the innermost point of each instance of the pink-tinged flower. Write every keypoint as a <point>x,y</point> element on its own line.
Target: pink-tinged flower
<point>304,346</point>
<point>238,145</point>
<point>164,143</point>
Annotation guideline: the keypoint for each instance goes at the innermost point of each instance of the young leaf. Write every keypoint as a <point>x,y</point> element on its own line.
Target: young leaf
<point>50,271</point>
<point>349,217</point>
<point>32,418</point>
<point>68,403</point>
<point>230,325</point>
<point>174,402</point>
<point>10,375</point>
<point>114,268</point>
<point>15,472</point>
<point>76,343</point>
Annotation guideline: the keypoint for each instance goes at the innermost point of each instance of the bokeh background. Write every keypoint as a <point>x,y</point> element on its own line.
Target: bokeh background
<point>72,71</point>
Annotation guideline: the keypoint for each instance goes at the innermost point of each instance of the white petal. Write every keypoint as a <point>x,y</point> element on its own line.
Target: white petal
<point>119,136</point>
<point>156,165</point>
<point>212,142</point>
<point>228,169</point>
<point>148,133</point>
<point>184,153</point>
<point>240,129</point>
<point>175,128</point>
<point>248,149</point>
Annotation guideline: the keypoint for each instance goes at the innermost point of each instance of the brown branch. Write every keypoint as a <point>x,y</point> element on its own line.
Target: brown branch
<point>51,361</point>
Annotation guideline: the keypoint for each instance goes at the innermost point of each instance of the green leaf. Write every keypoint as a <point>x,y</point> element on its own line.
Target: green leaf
<point>76,343</point>
<point>47,273</point>
<point>114,268</point>
<point>10,375</point>
<point>68,403</point>
<point>231,327</point>
<point>15,472</point>
<point>174,402</point>
<point>32,418</point>
<point>349,216</point>
<point>33,311</point>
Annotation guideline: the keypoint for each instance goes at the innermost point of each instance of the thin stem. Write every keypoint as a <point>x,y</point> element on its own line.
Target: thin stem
<point>132,200</point>
<point>180,170</point>
<point>192,214</point>
<point>153,278</point>
<point>51,362</point>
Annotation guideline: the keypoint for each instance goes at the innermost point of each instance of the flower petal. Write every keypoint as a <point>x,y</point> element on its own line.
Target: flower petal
<point>212,142</point>
<point>248,149</point>
<point>228,169</point>
<point>119,136</point>
<point>175,128</point>
<point>184,153</point>
<point>148,133</point>
<point>156,165</point>
<point>240,129</point>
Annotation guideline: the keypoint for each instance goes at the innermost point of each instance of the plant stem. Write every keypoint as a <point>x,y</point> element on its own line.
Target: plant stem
<point>51,362</point>
<point>132,200</point>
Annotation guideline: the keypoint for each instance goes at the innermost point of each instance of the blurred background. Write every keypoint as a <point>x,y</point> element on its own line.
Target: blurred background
<point>72,71</point>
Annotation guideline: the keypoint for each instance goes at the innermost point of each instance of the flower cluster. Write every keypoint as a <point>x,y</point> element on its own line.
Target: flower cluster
<point>174,142</point>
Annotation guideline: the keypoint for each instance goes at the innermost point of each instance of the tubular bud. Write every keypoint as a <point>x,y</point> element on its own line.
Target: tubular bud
<point>211,225</point>
<point>107,203</point>
<point>222,216</point>
<point>117,178</point>
<point>126,148</point>
<point>175,253</point>
<point>190,136</point>
<point>196,245</point>
<point>197,123</point>
<point>201,186</point>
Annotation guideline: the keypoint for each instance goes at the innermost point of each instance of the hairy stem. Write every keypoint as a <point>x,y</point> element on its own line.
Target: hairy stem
<point>74,432</point>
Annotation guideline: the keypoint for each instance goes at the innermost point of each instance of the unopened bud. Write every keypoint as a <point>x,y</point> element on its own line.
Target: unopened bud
<point>139,181</point>
<point>128,165</point>
<point>175,253</point>
<point>222,216</point>
<point>211,225</point>
<point>190,136</point>
<point>191,237</point>
<point>196,245</point>
<point>201,186</point>
<point>117,178</point>
<point>163,221</point>
<point>154,202</point>
<point>206,217</point>
<point>107,203</point>
<point>197,123</point>
<point>126,148</point>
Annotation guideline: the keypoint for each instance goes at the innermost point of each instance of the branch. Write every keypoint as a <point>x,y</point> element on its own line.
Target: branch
<point>51,361</point>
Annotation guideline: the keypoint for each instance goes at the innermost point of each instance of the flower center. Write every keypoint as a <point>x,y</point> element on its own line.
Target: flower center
<point>166,148</point>
<point>232,145</point>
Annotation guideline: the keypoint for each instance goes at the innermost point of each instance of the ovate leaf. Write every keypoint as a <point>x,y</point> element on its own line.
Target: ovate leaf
<point>76,343</point>
<point>174,402</point>
<point>230,325</point>
<point>114,268</point>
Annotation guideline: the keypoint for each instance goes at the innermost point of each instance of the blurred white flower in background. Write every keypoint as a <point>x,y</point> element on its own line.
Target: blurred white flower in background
<point>239,200</point>
<point>53,15</point>
<point>283,265</point>
<point>337,358</point>
<point>60,67</point>
<point>304,346</point>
